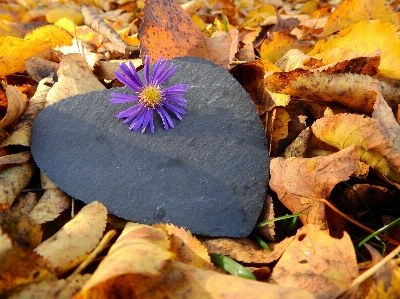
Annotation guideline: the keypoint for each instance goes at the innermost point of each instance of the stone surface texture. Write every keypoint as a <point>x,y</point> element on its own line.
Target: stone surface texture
<point>209,174</point>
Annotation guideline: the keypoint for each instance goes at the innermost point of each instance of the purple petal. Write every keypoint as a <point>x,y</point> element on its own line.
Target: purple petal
<point>146,119</point>
<point>176,100</point>
<point>159,66</point>
<point>164,121</point>
<point>167,74</point>
<point>146,70</point>
<point>129,75</point>
<point>128,82</point>
<point>120,98</point>
<point>167,117</point>
<point>130,111</point>
<point>175,89</point>
<point>172,107</point>
<point>136,123</point>
<point>151,120</point>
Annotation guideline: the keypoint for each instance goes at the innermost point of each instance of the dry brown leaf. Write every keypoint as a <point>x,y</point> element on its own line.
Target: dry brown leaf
<point>186,247</point>
<point>13,180</point>
<point>317,262</point>
<point>209,284</point>
<point>25,203</point>
<point>52,203</point>
<point>15,158</point>
<point>373,195</point>
<point>373,147</point>
<point>57,289</point>
<point>140,251</point>
<point>267,213</point>
<point>298,148</point>
<point>39,68</point>
<point>98,25</point>
<point>277,128</point>
<point>20,266</point>
<point>220,49</point>
<point>74,77</point>
<point>16,104</point>
<point>5,243</point>
<point>387,123</point>
<point>298,181</point>
<point>76,238</point>
<point>245,250</point>
<point>21,228</point>
<point>250,75</point>
<point>22,133</point>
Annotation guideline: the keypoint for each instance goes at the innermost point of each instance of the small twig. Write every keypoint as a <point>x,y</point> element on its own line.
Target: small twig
<point>374,268</point>
<point>390,240</point>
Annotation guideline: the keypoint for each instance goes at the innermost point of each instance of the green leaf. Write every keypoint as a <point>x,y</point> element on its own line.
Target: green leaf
<point>230,266</point>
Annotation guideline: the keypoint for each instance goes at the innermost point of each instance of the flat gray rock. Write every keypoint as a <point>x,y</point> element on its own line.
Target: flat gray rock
<point>209,174</point>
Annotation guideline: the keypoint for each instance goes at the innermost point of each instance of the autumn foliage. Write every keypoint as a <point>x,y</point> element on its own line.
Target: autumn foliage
<point>324,77</point>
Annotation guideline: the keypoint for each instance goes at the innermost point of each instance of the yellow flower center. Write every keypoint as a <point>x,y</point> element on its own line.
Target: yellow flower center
<point>150,96</point>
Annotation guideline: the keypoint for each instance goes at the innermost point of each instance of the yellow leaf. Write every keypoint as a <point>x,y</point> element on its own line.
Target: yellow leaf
<point>77,237</point>
<point>281,42</point>
<point>52,34</point>
<point>362,39</point>
<point>72,13</point>
<point>372,145</point>
<point>352,11</point>
<point>14,51</point>
<point>277,128</point>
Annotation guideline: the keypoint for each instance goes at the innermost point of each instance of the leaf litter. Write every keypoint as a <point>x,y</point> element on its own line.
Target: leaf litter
<point>324,78</point>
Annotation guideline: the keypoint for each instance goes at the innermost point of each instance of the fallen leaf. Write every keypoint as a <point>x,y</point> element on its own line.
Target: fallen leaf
<point>372,146</point>
<point>267,213</point>
<point>20,266</point>
<point>298,148</point>
<point>16,104</point>
<point>220,49</point>
<point>299,181</point>
<point>350,90</point>
<point>50,205</point>
<point>22,133</point>
<point>58,289</point>
<point>167,31</point>
<point>25,203</point>
<point>140,251</point>
<point>277,125</point>
<point>76,238</point>
<point>5,243</point>
<point>74,77</point>
<point>13,180</point>
<point>15,158</point>
<point>39,68</point>
<point>186,247</point>
<point>352,11</point>
<point>273,48</point>
<point>98,25</point>
<point>362,39</point>
<point>307,263</point>
<point>245,250</point>
<point>21,228</point>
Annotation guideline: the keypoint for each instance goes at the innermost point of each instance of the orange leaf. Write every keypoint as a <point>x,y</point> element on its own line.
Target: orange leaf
<point>167,30</point>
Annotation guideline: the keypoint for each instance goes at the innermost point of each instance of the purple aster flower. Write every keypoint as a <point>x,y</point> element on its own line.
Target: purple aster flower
<point>149,96</point>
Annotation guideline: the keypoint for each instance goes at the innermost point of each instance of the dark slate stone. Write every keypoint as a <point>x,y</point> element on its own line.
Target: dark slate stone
<point>209,174</point>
